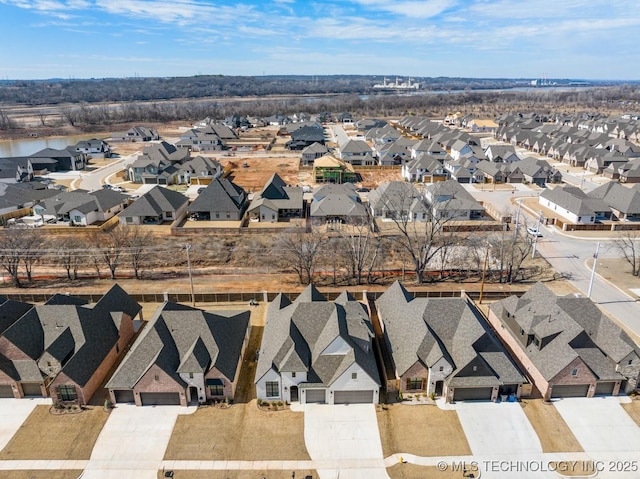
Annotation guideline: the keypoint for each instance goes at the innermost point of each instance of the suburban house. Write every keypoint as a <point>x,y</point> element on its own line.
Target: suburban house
<point>23,195</point>
<point>81,208</point>
<point>316,351</point>
<point>329,169</point>
<point>478,125</point>
<point>52,160</point>
<point>15,170</point>
<point>277,202</point>
<point>399,201</point>
<point>156,206</point>
<point>158,164</point>
<point>204,139</point>
<point>222,200</point>
<point>199,171</point>
<point>538,171</point>
<point>137,133</point>
<point>313,152</point>
<point>93,148</point>
<point>624,201</point>
<point>501,154</point>
<point>566,344</point>
<point>443,346</point>
<point>65,348</point>
<point>183,356</point>
<point>357,153</point>
<point>424,168</point>
<point>574,205</point>
<point>448,200</point>
<point>337,203</point>
<point>306,136</point>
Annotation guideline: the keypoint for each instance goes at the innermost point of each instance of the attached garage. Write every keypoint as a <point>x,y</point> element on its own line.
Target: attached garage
<point>570,391</point>
<point>31,389</point>
<point>472,394</point>
<point>353,397</point>
<point>6,391</point>
<point>160,399</point>
<point>605,388</point>
<point>315,396</point>
<point>124,396</point>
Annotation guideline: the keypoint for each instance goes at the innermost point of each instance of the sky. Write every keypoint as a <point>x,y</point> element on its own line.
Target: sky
<point>577,39</point>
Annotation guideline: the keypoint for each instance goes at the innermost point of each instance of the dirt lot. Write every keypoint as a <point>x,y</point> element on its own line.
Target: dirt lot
<point>42,474</point>
<point>254,474</point>
<point>65,436</point>
<point>241,432</point>
<point>421,430</point>
<point>633,409</point>
<point>260,168</point>
<point>553,432</point>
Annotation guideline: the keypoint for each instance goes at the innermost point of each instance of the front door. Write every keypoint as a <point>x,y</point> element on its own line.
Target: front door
<point>439,385</point>
<point>193,394</point>
<point>294,394</point>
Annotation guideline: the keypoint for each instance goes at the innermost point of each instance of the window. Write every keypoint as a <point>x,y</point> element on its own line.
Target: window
<point>77,218</point>
<point>216,390</point>
<point>354,375</point>
<point>169,214</point>
<point>217,214</point>
<point>441,368</point>
<point>228,214</point>
<point>574,372</point>
<point>630,362</point>
<point>475,368</point>
<point>521,332</point>
<point>66,392</point>
<point>414,383</point>
<point>129,219</point>
<point>156,378</point>
<point>190,375</point>
<point>293,374</point>
<point>536,341</point>
<point>273,390</point>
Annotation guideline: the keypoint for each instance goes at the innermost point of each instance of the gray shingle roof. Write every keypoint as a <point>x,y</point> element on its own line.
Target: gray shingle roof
<point>183,339</point>
<point>220,195</point>
<point>297,334</point>
<point>156,201</point>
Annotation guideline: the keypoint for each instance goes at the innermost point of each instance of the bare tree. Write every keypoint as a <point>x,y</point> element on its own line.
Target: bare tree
<point>31,250</point>
<point>11,253</point>
<point>360,245</point>
<point>109,247</point>
<point>137,242</point>
<point>300,251</point>
<point>70,115</point>
<point>628,243</point>
<point>69,257</point>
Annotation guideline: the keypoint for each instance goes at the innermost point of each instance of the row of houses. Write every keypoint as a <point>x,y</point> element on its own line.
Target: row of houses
<point>316,351</point>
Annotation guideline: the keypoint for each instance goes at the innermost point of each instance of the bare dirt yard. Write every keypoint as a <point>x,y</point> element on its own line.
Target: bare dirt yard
<point>423,430</point>
<point>240,432</point>
<point>59,436</point>
<point>633,410</point>
<point>42,474</point>
<point>412,471</point>
<point>259,169</point>
<point>253,474</point>
<point>553,432</point>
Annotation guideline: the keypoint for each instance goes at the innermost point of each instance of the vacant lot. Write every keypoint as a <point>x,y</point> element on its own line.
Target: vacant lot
<point>421,430</point>
<point>253,474</point>
<point>259,168</point>
<point>553,432</point>
<point>241,432</point>
<point>633,410</point>
<point>65,436</point>
<point>42,474</point>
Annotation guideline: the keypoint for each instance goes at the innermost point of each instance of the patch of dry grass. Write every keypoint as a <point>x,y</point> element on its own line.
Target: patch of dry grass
<point>412,471</point>
<point>42,474</point>
<point>241,432</point>
<point>553,432</point>
<point>254,474</point>
<point>421,430</point>
<point>64,436</point>
<point>633,410</point>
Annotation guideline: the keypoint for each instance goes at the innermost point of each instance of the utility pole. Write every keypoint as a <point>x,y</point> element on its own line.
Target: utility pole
<point>193,295</point>
<point>484,273</point>
<point>535,238</point>
<point>515,230</point>
<point>593,270</point>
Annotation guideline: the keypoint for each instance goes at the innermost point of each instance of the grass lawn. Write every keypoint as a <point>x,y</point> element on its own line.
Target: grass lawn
<point>421,430</point>
<point>254,474</point>
<point>42,474</point>
<point>411,471</point>
<point>47,436</point>
<point>553,432</point>
<point>633,410</point>
<point>241,432</point>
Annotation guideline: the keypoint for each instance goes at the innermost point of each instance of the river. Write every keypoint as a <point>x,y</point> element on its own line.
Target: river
<point>29,146</point>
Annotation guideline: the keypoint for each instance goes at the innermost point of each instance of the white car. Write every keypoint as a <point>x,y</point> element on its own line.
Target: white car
<point>534,232</point>
<point>119,189</point>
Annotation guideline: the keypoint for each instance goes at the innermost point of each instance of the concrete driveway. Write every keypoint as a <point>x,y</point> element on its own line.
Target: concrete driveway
<point>600,424</point>
<point>346,439</point>
<point>13,413</point>
<point>133,442</point>
<point>497,428</point>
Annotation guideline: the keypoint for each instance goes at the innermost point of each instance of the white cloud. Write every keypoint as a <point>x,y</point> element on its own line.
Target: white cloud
<point>411,9</point>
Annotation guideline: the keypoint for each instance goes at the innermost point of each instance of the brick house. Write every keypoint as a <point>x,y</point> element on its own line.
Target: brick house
<point>65,348</point>
<point>184,355</point>
<point>566,344</point>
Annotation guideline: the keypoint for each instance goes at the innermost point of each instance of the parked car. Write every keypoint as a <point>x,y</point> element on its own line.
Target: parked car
<point>201,189</point>
<point>534,232</point>
<point>117,188</point>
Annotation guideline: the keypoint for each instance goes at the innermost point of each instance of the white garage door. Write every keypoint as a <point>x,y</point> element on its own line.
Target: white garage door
<point>472,394</point>
<point>570,391</point>
<point>315,396</point>
<point>6,391</point>
<point>353,397</point>
<point>160,399</point>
